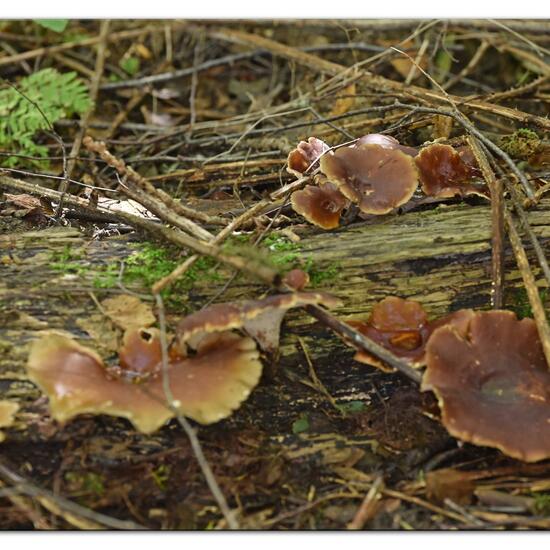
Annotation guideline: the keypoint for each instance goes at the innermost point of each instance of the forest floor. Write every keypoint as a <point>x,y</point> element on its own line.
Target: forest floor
<point>206,114</point>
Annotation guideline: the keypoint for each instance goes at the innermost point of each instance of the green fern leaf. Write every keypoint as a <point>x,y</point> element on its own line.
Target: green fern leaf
<point>57,94</point>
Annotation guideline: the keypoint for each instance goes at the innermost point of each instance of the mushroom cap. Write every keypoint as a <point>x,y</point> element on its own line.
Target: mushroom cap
<point>141,351</point>
<point>321,206</point>
<point>388,142</point>
<point>395,314</point>
<point>206,387</point>
<point>402,327</point>
<point>493,384</point>
<point>261,319</point>
<point>396,324</point>
<point>446,172</point>
<point>374,177</point>
<point>306,154</point>
<point>297,279</point>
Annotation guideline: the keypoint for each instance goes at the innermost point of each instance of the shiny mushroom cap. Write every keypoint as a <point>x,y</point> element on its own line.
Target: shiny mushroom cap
<point>141,351</point>
<point>388,142</point>
<point>493,384</point>
<point>402,327</point>
<point>446,172</point>
<point>320,205</point>
<point>261,319</point>
<point>296,279</point>
<point>207,387</point>
<point>306,155</point>
<point>377,179</point>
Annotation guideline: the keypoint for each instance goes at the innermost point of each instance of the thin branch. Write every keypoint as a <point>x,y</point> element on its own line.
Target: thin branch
<point>94,88</point>
<point>140,184</point>
<point>368,506</point>
<point>193,439</point>
<point>373,81</point>
<point>361,342</point>
<point>472,64</point>
<point>114,37</point>
<point>530,286</point>
<point>497,223</point>
<point>77,515</point>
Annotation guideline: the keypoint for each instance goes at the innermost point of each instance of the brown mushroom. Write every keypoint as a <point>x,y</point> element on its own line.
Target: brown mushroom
<point>141,351</point>
<point>446,172</point>
<point>207,387</point>
<point>261,319</point>
<point>402,327</point>
<point>493,384</point>
<point>388,142</point>
<point>321,206</point>
<point>296,279</point>
<point>374,177</point>
<point>306,155</point>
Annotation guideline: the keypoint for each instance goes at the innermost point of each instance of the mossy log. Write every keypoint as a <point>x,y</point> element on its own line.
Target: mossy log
<point>440,257</point>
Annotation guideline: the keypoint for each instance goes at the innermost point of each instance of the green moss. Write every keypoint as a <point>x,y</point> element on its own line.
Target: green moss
<point>153,262</point>
<point>161,476</point>
<point>64,261</point>
<point>542,504</point>
<point>286,255</point>
<point>521,305</point>
<point>89,482</point>
<point>521,144</point>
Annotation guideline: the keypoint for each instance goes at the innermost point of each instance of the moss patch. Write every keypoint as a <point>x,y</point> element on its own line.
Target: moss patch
<point>286,255</point>
<point>521,144</point>
<point>153,262</point>
<point>521,305</point>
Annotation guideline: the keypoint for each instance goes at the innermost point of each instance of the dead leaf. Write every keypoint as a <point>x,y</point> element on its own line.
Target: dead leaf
<point>128,312</point>
<point>26,206</point>
<point>107,338</point>
<point>7,415</point>
<point>345,103</point>
<point>449,483</point>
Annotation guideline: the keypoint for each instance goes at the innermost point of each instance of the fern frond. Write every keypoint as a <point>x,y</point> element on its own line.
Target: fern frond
<point>57,94</point>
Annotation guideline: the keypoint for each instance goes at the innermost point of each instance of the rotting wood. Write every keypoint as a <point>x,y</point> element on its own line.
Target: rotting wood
<point>439,257</point>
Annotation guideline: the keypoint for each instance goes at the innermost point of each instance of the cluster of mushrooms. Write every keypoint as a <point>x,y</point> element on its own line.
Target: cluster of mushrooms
<point>487,369</point>
<point>211,369</point>
<point>377,174</point>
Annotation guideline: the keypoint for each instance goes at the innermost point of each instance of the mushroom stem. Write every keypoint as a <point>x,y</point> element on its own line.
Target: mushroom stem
<point>364,343</point>
<point>530,286</point>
